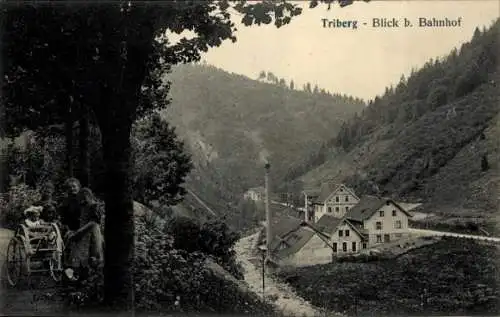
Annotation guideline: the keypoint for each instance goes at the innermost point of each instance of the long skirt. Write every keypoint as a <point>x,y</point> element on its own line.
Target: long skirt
<point>87,244</point>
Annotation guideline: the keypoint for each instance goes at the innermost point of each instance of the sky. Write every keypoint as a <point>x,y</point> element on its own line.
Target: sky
<point>359,62</point>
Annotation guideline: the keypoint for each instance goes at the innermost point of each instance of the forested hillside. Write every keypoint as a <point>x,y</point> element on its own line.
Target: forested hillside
<point>231,124</point>
<point>432,138</point>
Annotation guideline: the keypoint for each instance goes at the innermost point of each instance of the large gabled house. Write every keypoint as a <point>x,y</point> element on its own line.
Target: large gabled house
<point>381,219</point>
<point>330,199</point>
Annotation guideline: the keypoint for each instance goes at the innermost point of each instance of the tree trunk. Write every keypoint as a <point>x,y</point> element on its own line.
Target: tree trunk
<point>115,112</point>
<point>119,219</point>
<point>69,139</point>
<point>84,147</point>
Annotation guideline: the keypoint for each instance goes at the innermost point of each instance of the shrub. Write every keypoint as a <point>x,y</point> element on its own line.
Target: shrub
<point>13,203</point>
<point>213,238</point>
<point>172,281</point>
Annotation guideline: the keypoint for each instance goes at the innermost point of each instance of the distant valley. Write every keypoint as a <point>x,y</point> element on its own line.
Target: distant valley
<point>232,124</point>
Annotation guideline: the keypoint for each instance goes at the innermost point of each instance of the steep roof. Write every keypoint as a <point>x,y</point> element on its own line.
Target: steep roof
<point>294,241</point>
<point>283,221</point>
<point>326,190</point>
<point>368,205</point>
<point>327,223</point>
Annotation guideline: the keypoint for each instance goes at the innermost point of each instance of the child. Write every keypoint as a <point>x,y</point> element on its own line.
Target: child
<point>33,222</point>
<point>33,216</point>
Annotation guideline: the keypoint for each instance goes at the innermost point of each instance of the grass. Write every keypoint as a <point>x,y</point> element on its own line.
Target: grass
<point>453,276</point>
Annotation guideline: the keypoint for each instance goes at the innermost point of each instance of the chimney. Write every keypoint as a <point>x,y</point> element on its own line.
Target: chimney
<point>268,212</point>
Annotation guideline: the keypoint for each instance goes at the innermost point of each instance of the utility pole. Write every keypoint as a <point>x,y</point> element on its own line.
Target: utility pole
<point>263,252</point>
<point>269,235</point>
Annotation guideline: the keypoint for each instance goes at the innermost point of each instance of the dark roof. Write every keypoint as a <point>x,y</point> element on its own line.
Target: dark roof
<point>294,241</point>
<point>286,229</point>
<point>367,206</point>
<point>327,223</point>
<point>326,190</point>
<point>283,221</point>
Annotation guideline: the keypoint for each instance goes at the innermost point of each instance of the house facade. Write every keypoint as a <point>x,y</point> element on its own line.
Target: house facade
<point>300,243</point>
<point>331,199</point>
<point>381,219</point>
<point>255,194</point>
<point>347,239</point>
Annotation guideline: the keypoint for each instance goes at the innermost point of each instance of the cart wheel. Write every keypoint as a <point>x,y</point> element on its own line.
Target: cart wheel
<point>18,262</point>
<point>55,265</point>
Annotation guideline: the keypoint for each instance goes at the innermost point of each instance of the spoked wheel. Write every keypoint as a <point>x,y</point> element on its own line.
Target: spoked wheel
<point>18,262</point>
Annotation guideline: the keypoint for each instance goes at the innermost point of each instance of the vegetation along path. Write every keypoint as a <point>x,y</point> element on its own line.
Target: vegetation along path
<point>290,303</point>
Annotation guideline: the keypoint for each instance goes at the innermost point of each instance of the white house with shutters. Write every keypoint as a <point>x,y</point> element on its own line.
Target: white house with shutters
<point>380,219</point>
<point>330,199</point>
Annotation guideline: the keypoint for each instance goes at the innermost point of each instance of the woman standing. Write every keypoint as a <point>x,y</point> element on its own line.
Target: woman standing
<point>81,216</point>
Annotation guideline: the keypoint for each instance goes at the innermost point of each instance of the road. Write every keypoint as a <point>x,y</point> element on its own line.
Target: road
<point>290,303</point>
<point>424,232</point>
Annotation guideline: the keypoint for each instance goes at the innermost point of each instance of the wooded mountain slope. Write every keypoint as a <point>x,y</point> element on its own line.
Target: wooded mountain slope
<point>433,138</point>
<point>231,124</point>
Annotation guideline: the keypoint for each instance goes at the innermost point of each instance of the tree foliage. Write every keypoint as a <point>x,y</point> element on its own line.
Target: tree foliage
<point>213,238</point>
<point>161,164</point>
<point>105,58</point>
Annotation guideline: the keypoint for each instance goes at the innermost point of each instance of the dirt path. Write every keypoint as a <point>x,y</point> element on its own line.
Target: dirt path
<point>290,303</point>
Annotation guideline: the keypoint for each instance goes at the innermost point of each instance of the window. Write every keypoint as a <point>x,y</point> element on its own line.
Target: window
<point>397,224</point>
<point>379,238</point>
<point>378,225</point>
<point>337,209</point>
<point>354,246</point>
<point>337,199</point>
<point>381,212</point>
<point>334,247</point>
<point>387,238</point>
<point>341,233</point>
<point>329,209</point>
<point>347,233</point>
<point>344,246</point>
<point>394,213</point>
<point>346,198</point>
<point>364,245</point>
<point>346,208</point>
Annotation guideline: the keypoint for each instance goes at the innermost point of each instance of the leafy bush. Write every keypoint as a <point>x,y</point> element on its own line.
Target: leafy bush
<point>168,280</point>
<point>13,203</point>
<point>213,238</point>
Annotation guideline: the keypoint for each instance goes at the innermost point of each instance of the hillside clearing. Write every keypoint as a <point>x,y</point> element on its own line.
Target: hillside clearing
<point>453,276</point>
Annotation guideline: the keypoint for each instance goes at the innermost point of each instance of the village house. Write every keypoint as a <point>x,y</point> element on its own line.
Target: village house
<point>381,219</point>
<point>330,199</point>
<point>371,222</point>
<point>255,194</point>
<point>300,243</point>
